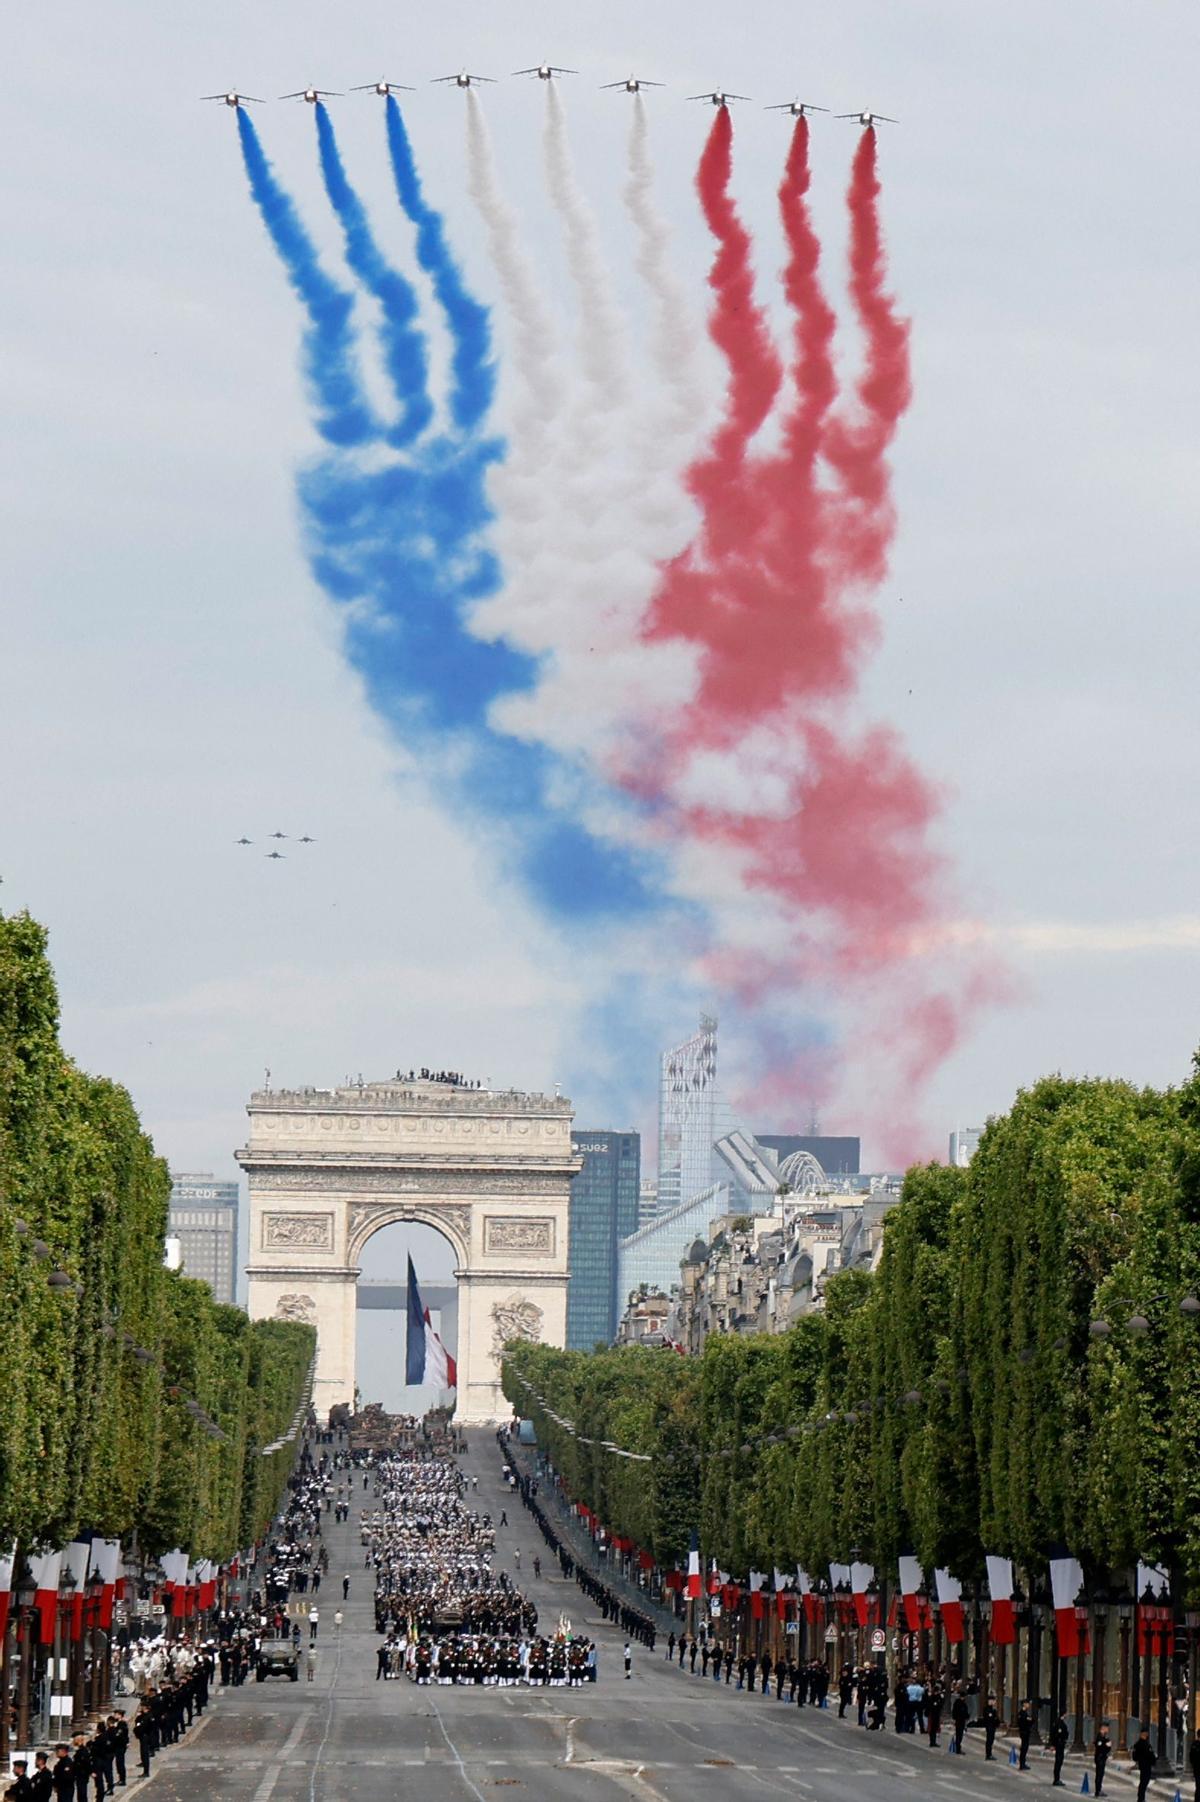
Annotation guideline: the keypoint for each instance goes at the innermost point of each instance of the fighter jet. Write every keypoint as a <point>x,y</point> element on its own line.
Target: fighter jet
<point>867,120</point>
<point>276,856</point>
<point>233,98</point>
<point>312,95</point>
<point>277,835</point>
<point>718,98</point>
<point>243,841</point>
<point>797,108</point>
<point>384,88</point>
<point>462,79</point>
<point>306,840</point>
<point>545,71</point>
<point>632,84</point>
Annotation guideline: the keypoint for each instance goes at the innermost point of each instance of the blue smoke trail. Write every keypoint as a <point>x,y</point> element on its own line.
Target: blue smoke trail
<point>474,372</point>
<point>343,416</point>
<point>403,341</point>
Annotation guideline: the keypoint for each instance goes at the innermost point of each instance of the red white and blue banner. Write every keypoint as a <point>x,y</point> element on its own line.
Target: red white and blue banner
<point>1000,1588</point>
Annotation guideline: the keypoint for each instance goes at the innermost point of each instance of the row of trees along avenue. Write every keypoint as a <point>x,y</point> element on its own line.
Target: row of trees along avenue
<point>136,1409</point>
<point>1020,1376</point>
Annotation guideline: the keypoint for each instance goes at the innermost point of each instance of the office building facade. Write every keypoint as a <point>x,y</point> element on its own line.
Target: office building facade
<point>204,1219</point>
<point>686,1109</point>
<point>603,1211</point>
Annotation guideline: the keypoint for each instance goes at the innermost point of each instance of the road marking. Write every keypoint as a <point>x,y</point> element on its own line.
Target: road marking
<point>455,1754</point>
<point>265,1788</point>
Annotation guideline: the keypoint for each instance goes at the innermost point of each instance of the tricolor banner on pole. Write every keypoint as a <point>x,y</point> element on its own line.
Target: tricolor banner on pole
<point>694,1587</point>
<point>106,1558</point>
<point>1000,1588</point>
<point>1066,1580</point>
<point>910,1585</point>
<point>949,1594</point>
<point>46,1568</point>
<point>75,1562</point>
<point>757,1579</point>
<point>861,1578</point>
<point>7,1561</point>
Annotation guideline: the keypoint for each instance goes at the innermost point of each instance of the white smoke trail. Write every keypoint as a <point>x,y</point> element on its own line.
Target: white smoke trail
<point>601,342</point>
<point>589,499</point>
<point>533,339</point>
<point>675,335</point>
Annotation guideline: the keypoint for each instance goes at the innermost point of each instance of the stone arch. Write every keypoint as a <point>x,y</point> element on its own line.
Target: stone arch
<point>366,1222</point>
<point>490,1170</point>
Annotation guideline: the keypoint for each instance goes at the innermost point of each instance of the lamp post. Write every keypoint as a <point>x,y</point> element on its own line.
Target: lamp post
<point>1125,1606</point>
<point>1033,1669</point>
<point>1077,1744</point>
<point>1100,1605</point>
<point>25,1597</point>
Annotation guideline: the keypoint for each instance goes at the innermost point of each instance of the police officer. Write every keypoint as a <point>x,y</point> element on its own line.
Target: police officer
<point>1102,1752</point>
<point>63,1774</point>
<point>41,1784</point>
<point>1058,1739</point>
<point>991,1722</point>
<point>1142,1754</point>
<point>1024,1734</point>
<point>81,1762</point>
<point>21,1788</point>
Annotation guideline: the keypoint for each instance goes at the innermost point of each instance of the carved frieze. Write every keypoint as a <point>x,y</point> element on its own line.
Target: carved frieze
<point>348,1180</point>
<point>296,1307</point>
<point>514,1318</point>
<point>289,1232</point>
<point>533,1238</point>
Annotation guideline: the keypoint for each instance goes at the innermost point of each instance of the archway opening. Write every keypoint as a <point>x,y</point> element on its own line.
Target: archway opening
<point>382,1316</point>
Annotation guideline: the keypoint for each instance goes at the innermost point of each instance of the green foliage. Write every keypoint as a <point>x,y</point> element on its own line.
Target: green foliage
<point>91,1436</point>
<point>954,1400</point>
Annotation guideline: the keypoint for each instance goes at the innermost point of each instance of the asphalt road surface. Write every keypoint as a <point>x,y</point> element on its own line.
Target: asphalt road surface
<point>661,1736</point>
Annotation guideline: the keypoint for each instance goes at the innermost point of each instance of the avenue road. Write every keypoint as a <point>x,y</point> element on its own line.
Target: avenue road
<point>661,1736</point>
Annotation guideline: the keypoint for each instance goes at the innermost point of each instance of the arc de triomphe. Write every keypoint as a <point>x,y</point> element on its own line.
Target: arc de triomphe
<point>490,1170</point>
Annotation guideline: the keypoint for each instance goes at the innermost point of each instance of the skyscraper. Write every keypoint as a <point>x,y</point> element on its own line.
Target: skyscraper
<point>603,1211</point>
<point>203,1217</point>
<point>686,1097</point>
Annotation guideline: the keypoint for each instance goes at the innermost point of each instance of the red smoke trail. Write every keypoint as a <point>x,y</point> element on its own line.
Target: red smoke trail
<point>771,594</point>
<point>856,450</point>
<point>688,603</point>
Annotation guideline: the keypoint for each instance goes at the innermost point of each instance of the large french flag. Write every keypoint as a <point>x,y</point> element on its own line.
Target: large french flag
<point>426,1359</point>
<point>46,1567</point>
<point>695,1585</point>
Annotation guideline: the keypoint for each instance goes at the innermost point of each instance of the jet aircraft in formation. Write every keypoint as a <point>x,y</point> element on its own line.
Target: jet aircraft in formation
<point>797,108</point>
<point>718,98</point>
<point>545,71</point>
<point>632,84</point>
<point>384,88</point>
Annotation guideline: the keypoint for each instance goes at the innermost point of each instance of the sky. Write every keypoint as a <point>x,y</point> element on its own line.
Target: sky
<point>171,677</point>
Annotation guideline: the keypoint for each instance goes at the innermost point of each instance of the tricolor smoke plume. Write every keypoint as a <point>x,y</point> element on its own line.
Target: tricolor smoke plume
<point>471,361</point>
<point>404,347</point>
<point>401,543</point>
<point>342,414</point>
<point>601,337</point>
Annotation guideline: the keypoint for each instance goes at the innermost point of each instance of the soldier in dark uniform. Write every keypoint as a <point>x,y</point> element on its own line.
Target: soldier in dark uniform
<point>845,1690</point>
<point>120,1743</point>
<point>143,1733</point>
<point>1024,1734</point>
<point>21,1788</point>
<point>959,1714</point>
<point>1102,1751</point>
<point>991,1722</point>
<point>101,1751</point>
<point>937,1701</point>
<point>1142,1754</point>
<point>81,1760</point>
<point>1059,1738</point>
<point>64,1774</point>
<point>41,1783</point>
